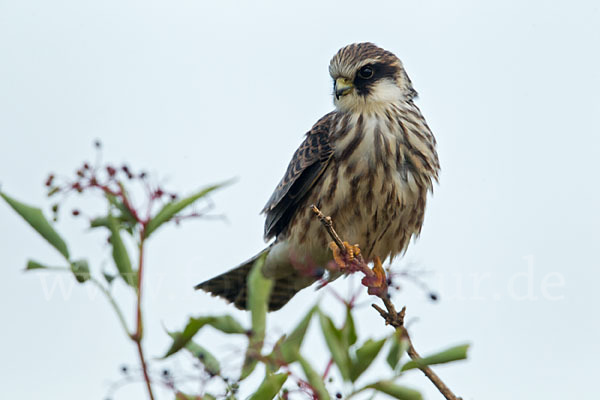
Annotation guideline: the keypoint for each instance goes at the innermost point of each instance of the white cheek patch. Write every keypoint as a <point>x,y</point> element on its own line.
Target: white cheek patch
<point>385,91</point>
<point>381,94</point>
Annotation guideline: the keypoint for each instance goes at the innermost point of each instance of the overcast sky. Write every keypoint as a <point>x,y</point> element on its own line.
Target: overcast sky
<point>199,92</point>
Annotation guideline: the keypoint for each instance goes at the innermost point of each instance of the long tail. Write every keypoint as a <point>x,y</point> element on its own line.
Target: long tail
<point>231,286</point>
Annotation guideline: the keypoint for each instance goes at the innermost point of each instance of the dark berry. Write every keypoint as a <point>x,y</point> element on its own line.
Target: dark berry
<point>50,180</point>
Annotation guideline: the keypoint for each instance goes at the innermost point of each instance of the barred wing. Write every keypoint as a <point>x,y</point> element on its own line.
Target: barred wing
<point>307,165</point>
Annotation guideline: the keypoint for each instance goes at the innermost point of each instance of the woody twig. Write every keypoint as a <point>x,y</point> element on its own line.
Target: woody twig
<point>377,286</point>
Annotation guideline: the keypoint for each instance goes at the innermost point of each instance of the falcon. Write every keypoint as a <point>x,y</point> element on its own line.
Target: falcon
<point>369,164</point>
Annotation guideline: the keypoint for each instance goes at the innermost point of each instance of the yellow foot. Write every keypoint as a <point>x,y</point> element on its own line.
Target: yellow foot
<point>377,283</point>
<point>379,272</point>
<point>341,259</point>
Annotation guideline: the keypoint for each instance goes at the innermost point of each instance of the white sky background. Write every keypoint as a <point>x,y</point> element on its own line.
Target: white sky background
<point>200,93</point>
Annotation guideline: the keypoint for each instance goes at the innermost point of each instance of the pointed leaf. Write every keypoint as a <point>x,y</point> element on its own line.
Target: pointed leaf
<point>126,214</point>
<point>259,290</point>
<point>452,354</point>
<point>81,270</point>
<point>269,387</point>
<point>225,323</point>
<point>36,219</point>
<point>333,338</point>
<point>108,277</point>
<point>120,254</point>
<point>349,330</point>
<point>397,349</point>
<point>290,347</point>
<point>314,379</point>
<point>211,364</point>
<point>172,208</point>
<point>31,264</point>
<point>396,391</point>
<point>99,222</point>
<point>364,357</point>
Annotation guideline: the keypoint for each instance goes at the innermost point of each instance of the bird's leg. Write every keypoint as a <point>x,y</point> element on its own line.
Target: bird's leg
<point>343,258</point>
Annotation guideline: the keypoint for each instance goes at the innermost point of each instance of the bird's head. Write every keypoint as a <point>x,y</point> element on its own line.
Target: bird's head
<point>367,77</point>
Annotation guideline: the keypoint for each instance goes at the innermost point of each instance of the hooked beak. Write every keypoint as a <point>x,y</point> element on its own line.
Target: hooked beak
<point>342,87</point>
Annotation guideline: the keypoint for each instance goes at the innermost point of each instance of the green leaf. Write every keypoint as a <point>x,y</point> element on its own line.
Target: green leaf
<point>225,323</point>
<point>31,264</point>
<point>365,356</point>
<point>289,350</point>
<point>99,222</point>
<point>333,338</point>
<point>211,364</point>
<point>36,219</point>
<point>259,290</point>
<point>120,254</point>
<point>104,222</point>
<point>398,348</point>
<point>396,391</point>
<point>452,354</point>
<point>81,270</point>
<point>269,387</point>
<point>125,218</point>
<point>273,361</point>
<point>314,379</point>
<point>126,214</point>
<point>183,396</point>
<point>108,277</point>
<point>349,330</point>
<point>172,208</point>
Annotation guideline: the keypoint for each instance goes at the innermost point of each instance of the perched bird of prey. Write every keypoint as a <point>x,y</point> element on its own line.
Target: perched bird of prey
<point>369,164</point>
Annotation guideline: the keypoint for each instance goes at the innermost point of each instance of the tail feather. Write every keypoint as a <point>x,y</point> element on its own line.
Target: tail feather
<point>232,286</point>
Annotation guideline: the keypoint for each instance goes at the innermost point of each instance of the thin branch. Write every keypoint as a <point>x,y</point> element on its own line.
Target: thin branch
<point>144,369</point>
<point>390,315</point>
<point>328,224</point>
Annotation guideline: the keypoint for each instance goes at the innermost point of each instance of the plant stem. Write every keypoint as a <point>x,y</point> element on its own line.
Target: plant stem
<point>144,369</point>
<point>139,331</point>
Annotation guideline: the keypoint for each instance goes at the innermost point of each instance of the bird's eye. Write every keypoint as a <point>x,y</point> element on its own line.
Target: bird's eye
<point>366,72</point>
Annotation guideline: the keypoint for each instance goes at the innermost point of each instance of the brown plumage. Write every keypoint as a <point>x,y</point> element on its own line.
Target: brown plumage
<point>369,165</point>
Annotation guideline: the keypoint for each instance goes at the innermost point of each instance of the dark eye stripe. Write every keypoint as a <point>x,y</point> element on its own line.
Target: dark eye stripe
<point>380,71</point>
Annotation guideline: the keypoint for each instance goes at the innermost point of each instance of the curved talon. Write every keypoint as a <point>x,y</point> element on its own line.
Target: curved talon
<point>342,259</point>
